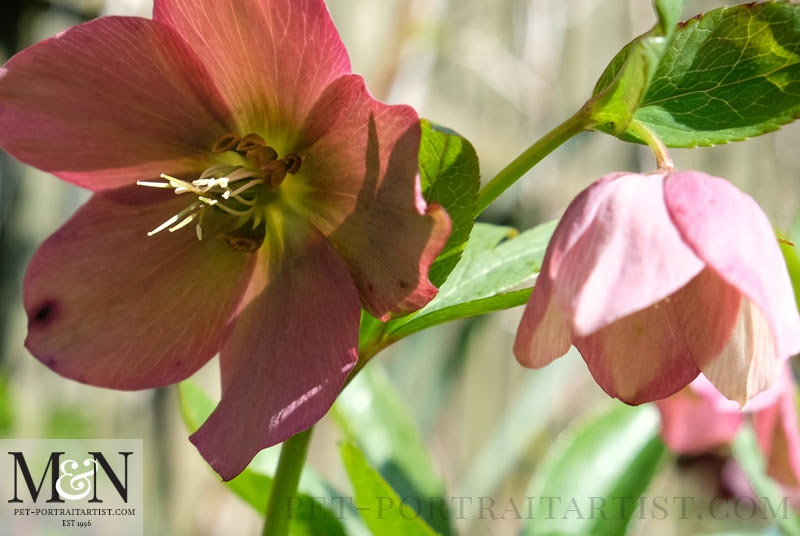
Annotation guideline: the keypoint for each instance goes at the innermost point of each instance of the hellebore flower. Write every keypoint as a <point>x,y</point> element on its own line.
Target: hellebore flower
<point>698,419</point>
<point>657,277</point>
<point>302,188</point>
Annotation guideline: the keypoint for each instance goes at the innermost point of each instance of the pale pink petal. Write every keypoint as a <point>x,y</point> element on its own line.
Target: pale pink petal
<point>290,351</point>
<point>778,434</point>
<point>110,306</point>
<point>653,353</point>
<point>629,257</point>
<point>270,58</point>
<point>544,332</point>
<point>110,102</point>
<point>691,424</point>
<point>747,365</point>
<point>359,186</point>
<point>731,234</point>
<point>576,219</point>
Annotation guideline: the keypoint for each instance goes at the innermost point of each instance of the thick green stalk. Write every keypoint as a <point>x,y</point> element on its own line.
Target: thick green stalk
<point>284,485</point>
<point>532,156</point>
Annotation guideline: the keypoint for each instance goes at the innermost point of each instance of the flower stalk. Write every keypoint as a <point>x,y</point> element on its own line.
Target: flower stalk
<point>577,123</point>
<point>663,159</point>
<point>284,485</point>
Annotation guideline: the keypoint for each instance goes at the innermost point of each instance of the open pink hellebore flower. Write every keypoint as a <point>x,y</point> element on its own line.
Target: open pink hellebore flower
<point>698,419</point>
<point>657,277</point>
<point>303,188</point>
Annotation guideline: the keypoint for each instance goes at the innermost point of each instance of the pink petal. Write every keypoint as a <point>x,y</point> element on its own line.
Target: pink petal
<point>110,102</point>
<point>653,353</point>
<point>544,332</point>
<point>778,434</point>
<point>763,400</point>
<point>747,365</point>
<point>731,234</point>
<point>629,257</point>
<point>690,424</point>
<point>579,215</point>
<point>359,186</point>
<point>290,351</point>
<point>270,58</point>
<point>110,306</point>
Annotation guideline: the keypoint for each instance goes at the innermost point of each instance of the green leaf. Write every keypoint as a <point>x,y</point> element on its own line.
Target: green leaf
<point>488,277</point>
<point>382,509</point>
<point>728,75</point>
<point>792,256</point>
<point>793,265</point>
<point>610,456</point>
<point>669,13</point>
<point>7,410</point>
<point>450,176</point>
<point>622,86</point>
<point>747,453</point>
<point>310,516</point>
<point>373,414</point>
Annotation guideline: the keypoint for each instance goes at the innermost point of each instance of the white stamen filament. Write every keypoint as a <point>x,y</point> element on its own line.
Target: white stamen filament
<point>163,226</point>
<point>182,224</point>
<point>154,184</point>
<point>210,191</point>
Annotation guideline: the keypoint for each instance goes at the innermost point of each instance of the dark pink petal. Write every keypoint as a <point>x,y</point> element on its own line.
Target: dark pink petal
<point>359,186</point>
<point>778,434</point>
<point>290,351</point>
<point>731,234</point>
<point>690,424</point>
<point>653,353</point>
<point>270,58</point>
<point>110,102</point>
<point>110,306</point>
<point>629,256</point>
<point>544,333</point>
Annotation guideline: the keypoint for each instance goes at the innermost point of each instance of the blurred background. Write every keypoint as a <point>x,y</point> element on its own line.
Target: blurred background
<point>501,73</point>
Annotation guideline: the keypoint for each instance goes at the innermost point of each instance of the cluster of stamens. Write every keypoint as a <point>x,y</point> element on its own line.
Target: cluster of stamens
<point>232,189</point>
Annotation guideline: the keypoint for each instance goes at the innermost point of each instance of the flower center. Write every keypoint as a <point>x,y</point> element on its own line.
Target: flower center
<point>239,190</point>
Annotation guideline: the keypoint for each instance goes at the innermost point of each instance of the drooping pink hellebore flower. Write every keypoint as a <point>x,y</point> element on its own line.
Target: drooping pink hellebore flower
<point>657,277</point>
<point>698,419</point>
<point>303,188</point>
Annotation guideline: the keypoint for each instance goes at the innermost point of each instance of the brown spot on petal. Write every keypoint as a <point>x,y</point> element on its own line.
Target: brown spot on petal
<point>226,142</point>
<point>403,284</point>
<point>250,142</point>
<point>43,315</point>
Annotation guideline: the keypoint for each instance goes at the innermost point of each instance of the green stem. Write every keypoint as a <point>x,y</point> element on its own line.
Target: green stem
<point>663,159</point>
<point>532,156</point>
<point>284,485</point>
